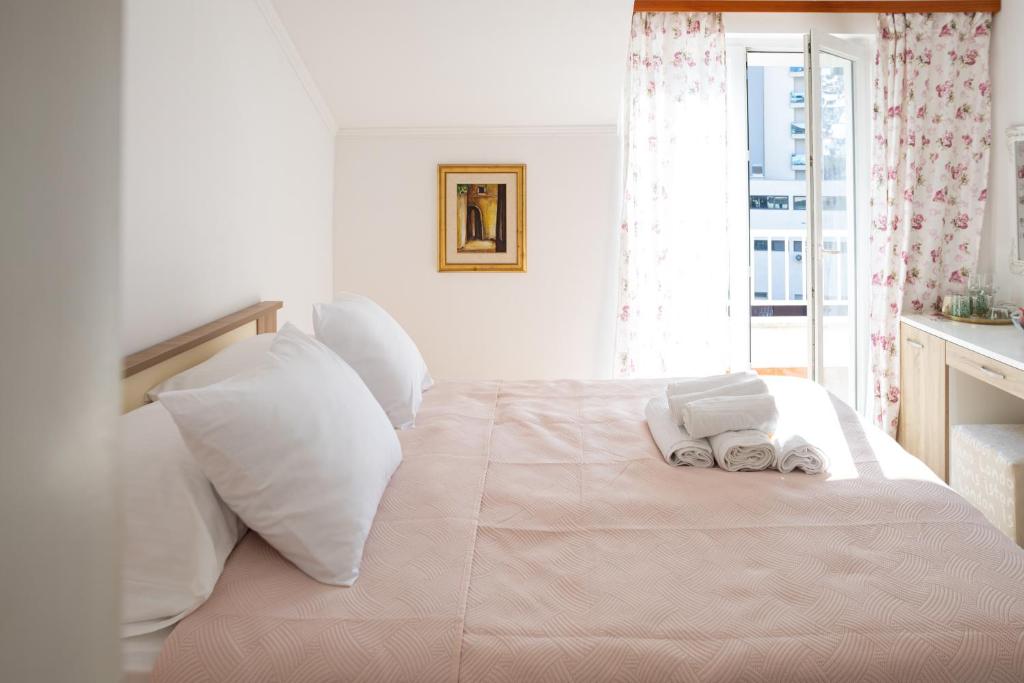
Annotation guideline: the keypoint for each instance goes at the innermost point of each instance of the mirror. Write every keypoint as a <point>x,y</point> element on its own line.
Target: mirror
<point>1016,140</point>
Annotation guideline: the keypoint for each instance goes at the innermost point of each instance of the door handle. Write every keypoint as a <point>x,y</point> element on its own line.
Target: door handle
<point>992,373</point>
<point>915,344</point>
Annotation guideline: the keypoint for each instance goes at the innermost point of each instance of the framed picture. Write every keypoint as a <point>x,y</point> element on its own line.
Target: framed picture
<point>481,218</point>
<point>1015,139</point>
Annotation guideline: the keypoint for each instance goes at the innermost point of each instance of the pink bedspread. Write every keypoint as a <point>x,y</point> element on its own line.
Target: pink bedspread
<point>533,533</point>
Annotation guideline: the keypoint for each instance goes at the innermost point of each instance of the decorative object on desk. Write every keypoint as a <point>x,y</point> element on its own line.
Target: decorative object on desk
<point>1001,312</point>
<point>976,320</point>
<point>481,218</point>
<point>981,293</point>
<point>1015,319</point>
<point>960,305</point>
<point>1015,139</point>
<point>976,306</point>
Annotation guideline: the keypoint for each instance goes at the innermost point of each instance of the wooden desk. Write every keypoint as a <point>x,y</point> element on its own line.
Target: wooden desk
<point>929,348</point>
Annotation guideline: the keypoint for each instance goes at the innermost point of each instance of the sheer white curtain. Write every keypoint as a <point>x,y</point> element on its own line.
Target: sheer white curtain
<point>673,315</point>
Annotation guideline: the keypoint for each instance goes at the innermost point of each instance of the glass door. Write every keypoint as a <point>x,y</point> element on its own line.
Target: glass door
<point>835,201</point>
<point>777,188</point>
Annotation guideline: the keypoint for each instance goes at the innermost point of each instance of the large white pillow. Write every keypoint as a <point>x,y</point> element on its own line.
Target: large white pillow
<point>177,531</point>
<point>377,347</point>
<point>299,449</point>
<point>241,356</point>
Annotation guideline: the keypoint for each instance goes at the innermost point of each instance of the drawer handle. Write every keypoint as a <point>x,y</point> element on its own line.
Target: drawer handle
<point>992,373</point>
<point>915,344</point>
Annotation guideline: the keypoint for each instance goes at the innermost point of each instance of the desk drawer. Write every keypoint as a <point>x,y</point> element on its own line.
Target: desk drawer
<point>999,375</point>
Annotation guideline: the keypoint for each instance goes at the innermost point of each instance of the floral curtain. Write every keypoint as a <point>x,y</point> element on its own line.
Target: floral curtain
<point>674,259</point>
<point>930,159</point>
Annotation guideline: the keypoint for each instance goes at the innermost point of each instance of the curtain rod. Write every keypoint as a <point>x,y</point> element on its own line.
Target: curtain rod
<point>826,6</point>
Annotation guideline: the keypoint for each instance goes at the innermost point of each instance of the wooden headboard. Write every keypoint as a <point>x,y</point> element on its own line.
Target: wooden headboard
<point>147,368</point>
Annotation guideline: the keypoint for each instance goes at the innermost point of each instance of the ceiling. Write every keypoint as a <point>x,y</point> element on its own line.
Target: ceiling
<point>426,63</point>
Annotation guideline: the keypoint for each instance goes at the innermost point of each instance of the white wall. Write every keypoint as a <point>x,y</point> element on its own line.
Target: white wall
<point>59,102</point>
<point>464,62</point>
<point>1007,110</point>
<point>228,169</point>
<point>798,23</point>
<point>555,320</point>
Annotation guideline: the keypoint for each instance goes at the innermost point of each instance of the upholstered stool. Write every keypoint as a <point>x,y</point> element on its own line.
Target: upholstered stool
<point>986,466</point>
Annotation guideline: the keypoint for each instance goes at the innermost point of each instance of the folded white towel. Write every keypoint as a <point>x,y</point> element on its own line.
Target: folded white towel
<point>710,416</point>
<point>749,387</point>
<point>747,450</point>
<point>692,385</point>
<point>803,435</point>
<point>676,446</point>
<point>796,453</point>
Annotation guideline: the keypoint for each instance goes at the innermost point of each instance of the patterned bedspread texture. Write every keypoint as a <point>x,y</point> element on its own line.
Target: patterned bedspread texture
<point>534,533</point>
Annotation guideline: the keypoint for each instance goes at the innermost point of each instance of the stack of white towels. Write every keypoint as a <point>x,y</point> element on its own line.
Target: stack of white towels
<point>730,421</point>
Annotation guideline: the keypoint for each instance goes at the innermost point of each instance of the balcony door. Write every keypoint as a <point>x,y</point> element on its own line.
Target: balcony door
<point>805,131</point>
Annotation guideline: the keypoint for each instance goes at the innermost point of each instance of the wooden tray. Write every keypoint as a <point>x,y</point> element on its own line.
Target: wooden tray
<point>978,321</point>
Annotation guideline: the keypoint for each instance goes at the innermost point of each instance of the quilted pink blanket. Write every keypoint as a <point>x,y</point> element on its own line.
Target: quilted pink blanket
<point>533,533</point>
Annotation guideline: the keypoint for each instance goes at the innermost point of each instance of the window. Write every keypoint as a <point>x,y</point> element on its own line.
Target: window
<point>833,203</point>
<point>799,203</point>
<point>835,269</point>
<point>799,161</point>
<point>796,270</point>
<point>779,270</point>
<point>760,269</point>
<point>774,202</point>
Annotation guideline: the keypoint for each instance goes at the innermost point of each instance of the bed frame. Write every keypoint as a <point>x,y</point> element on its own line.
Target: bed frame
<point>147,368</point>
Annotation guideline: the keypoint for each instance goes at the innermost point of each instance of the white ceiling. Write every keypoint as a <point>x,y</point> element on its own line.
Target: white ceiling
<point>413,63</point>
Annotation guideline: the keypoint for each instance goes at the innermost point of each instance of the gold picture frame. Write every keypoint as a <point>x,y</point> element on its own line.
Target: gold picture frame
<point>481,218</point>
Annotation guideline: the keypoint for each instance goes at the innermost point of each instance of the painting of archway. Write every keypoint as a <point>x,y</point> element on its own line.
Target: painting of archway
<point>481,218</point>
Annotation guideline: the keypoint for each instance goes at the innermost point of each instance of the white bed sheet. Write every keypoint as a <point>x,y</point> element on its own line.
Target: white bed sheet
<point>139,653</point>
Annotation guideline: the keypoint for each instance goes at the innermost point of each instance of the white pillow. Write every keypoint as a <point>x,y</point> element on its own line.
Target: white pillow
<point>239,357</point>
<point>377,347</point>
<point>177,532</point>
<point>299,449</point>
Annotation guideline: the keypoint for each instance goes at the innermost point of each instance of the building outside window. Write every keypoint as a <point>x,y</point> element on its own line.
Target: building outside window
<point>774,202</point>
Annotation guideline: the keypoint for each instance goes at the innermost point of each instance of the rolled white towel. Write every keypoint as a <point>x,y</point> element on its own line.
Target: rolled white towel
<point>710,416</point>
<point>796,453</point>
<point>749,387</point>
<point>692,385</point>
<point>676,446</point>
<point>748,450</point>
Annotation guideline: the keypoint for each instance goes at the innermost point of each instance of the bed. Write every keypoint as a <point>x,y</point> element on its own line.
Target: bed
<point>533,533</point>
